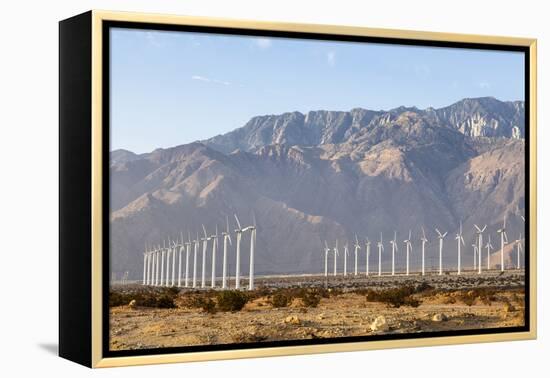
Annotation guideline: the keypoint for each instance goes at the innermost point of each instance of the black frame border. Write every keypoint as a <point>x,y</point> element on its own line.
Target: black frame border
<point>107,25</point>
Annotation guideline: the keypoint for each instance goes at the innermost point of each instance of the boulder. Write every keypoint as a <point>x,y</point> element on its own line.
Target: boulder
<point>379,324</point>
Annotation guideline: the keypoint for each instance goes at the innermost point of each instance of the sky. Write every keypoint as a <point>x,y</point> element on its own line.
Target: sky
<point>172,88</point>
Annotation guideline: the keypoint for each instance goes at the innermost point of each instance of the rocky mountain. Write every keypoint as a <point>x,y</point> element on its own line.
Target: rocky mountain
<point>477,117</point>
<point>327,176</point>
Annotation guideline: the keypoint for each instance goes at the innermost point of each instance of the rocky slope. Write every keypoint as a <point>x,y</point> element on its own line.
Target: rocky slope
<point>323,176</point>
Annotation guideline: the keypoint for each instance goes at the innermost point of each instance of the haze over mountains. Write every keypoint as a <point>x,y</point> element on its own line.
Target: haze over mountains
<point>326,175</point>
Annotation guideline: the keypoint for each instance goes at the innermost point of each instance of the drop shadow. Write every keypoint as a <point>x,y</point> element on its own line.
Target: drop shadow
<point>51,348</point>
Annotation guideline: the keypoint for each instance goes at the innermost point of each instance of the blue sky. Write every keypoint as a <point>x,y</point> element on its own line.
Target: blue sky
<point>171,88</point>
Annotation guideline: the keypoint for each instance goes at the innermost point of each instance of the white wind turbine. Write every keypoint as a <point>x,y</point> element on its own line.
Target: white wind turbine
<point>204,240</point>
<point>239,232</point>
<point>440,236</point>
<point>380,249</point>
<point>150,267</point>
<point>367,252</point>
<point>168,254</point>
<point>346,253</point>
<point>327,250</point>
<point>196,244</point>
<point>180,260</point>
<point>252,230</point>
<point>187,252</point>
<point>459,243</point>
<point>519,248</point>
<point>336,253</point>
<point>144,281</point>
<point>393,249</point>
<point>174,248</point>
<point>408,246</point>
<point>214,248</point>
<point>424,241</point>
<point>503,241</point>
<point>163,252</point>
<point>489,246</point>
<point>155,266</point>
<point>479,232</point>
<point>357,247</point>
<point>226,238</point>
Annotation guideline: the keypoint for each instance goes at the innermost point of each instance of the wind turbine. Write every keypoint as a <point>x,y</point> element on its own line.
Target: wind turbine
<point>327,250</point>
<point>424,241</point>
<point>367,252</point>
<point>346,253</point>
<point>163,251</point>
<point>356,250</point>
<point>503,240</point>
<point>519,248</point>
<point>187,252</point>
<point>204,248</point>
<point>180,250</point>
<point>336,253</point>
<point>459,242</point>
<point>408,246</point>
<point>479,232</point>
<point>475,255</point>
<point>143,282</point>
<point>196,244</point>
<point>239,232</point>
<point>393,249</point>
<point>489,246</point>
<point>174,248</point>
<point>252,230</point>
<point>214,248</point>
<point>380,249</point>
<point>226,237</point>
<point>440,236</point>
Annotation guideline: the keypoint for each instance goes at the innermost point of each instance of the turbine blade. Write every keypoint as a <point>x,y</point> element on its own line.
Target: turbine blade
<point>238,223</point>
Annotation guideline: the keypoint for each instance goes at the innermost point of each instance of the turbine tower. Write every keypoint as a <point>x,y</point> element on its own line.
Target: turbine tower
<point>226,238</point>
<point>519,248</point>
<point>157,264</point>
<point>327,250</point>
<point>252,230</point>
<point>174,248</point>
<point>440,236</point>
<point>204,248</point>
<point>424,241</point>
<point>143,282</point>
<point>408,246</point>
<point>346,253</point>
<point>239,232</point>
<point>356,250</point>
<point>214,248</point>
<point>180,262</point>
<point>459,242</point>
<point>479,232</point>
<point>163,251</point>
<point>380,249</point>
<point>393,249</point>
<point>475,255</point>
<point>187,252</point>
<point>336,253</point>
<point>367,252</point>
<point>489,246</point>
<point>503,240</point>
<point>196,244</point>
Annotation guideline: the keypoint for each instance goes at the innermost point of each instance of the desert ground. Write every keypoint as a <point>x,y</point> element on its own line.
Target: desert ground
<point>312,306</point>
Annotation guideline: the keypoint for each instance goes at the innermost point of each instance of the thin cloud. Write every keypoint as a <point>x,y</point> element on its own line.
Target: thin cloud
<point>209,80</point>
<point>484,85</point>
<point>263,43</point>
<point>331,58</point>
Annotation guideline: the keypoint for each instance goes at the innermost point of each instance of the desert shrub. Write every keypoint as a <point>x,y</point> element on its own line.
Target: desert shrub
<point>394,297</point>
<point>280,300</point>
<point>423,287</point>
<point>231,300</point>
<point>310,299</point>
<point>162,299</point>
<point>117,299</point>
<point>165,301</point>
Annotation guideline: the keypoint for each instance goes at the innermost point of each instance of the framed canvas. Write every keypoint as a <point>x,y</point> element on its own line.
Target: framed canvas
<point>235,189</point>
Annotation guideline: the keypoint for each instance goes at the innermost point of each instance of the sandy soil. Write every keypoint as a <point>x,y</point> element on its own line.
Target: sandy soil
<point>347,314</point>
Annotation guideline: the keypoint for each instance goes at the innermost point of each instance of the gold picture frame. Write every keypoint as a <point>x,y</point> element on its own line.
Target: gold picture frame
<point>90,329</point>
